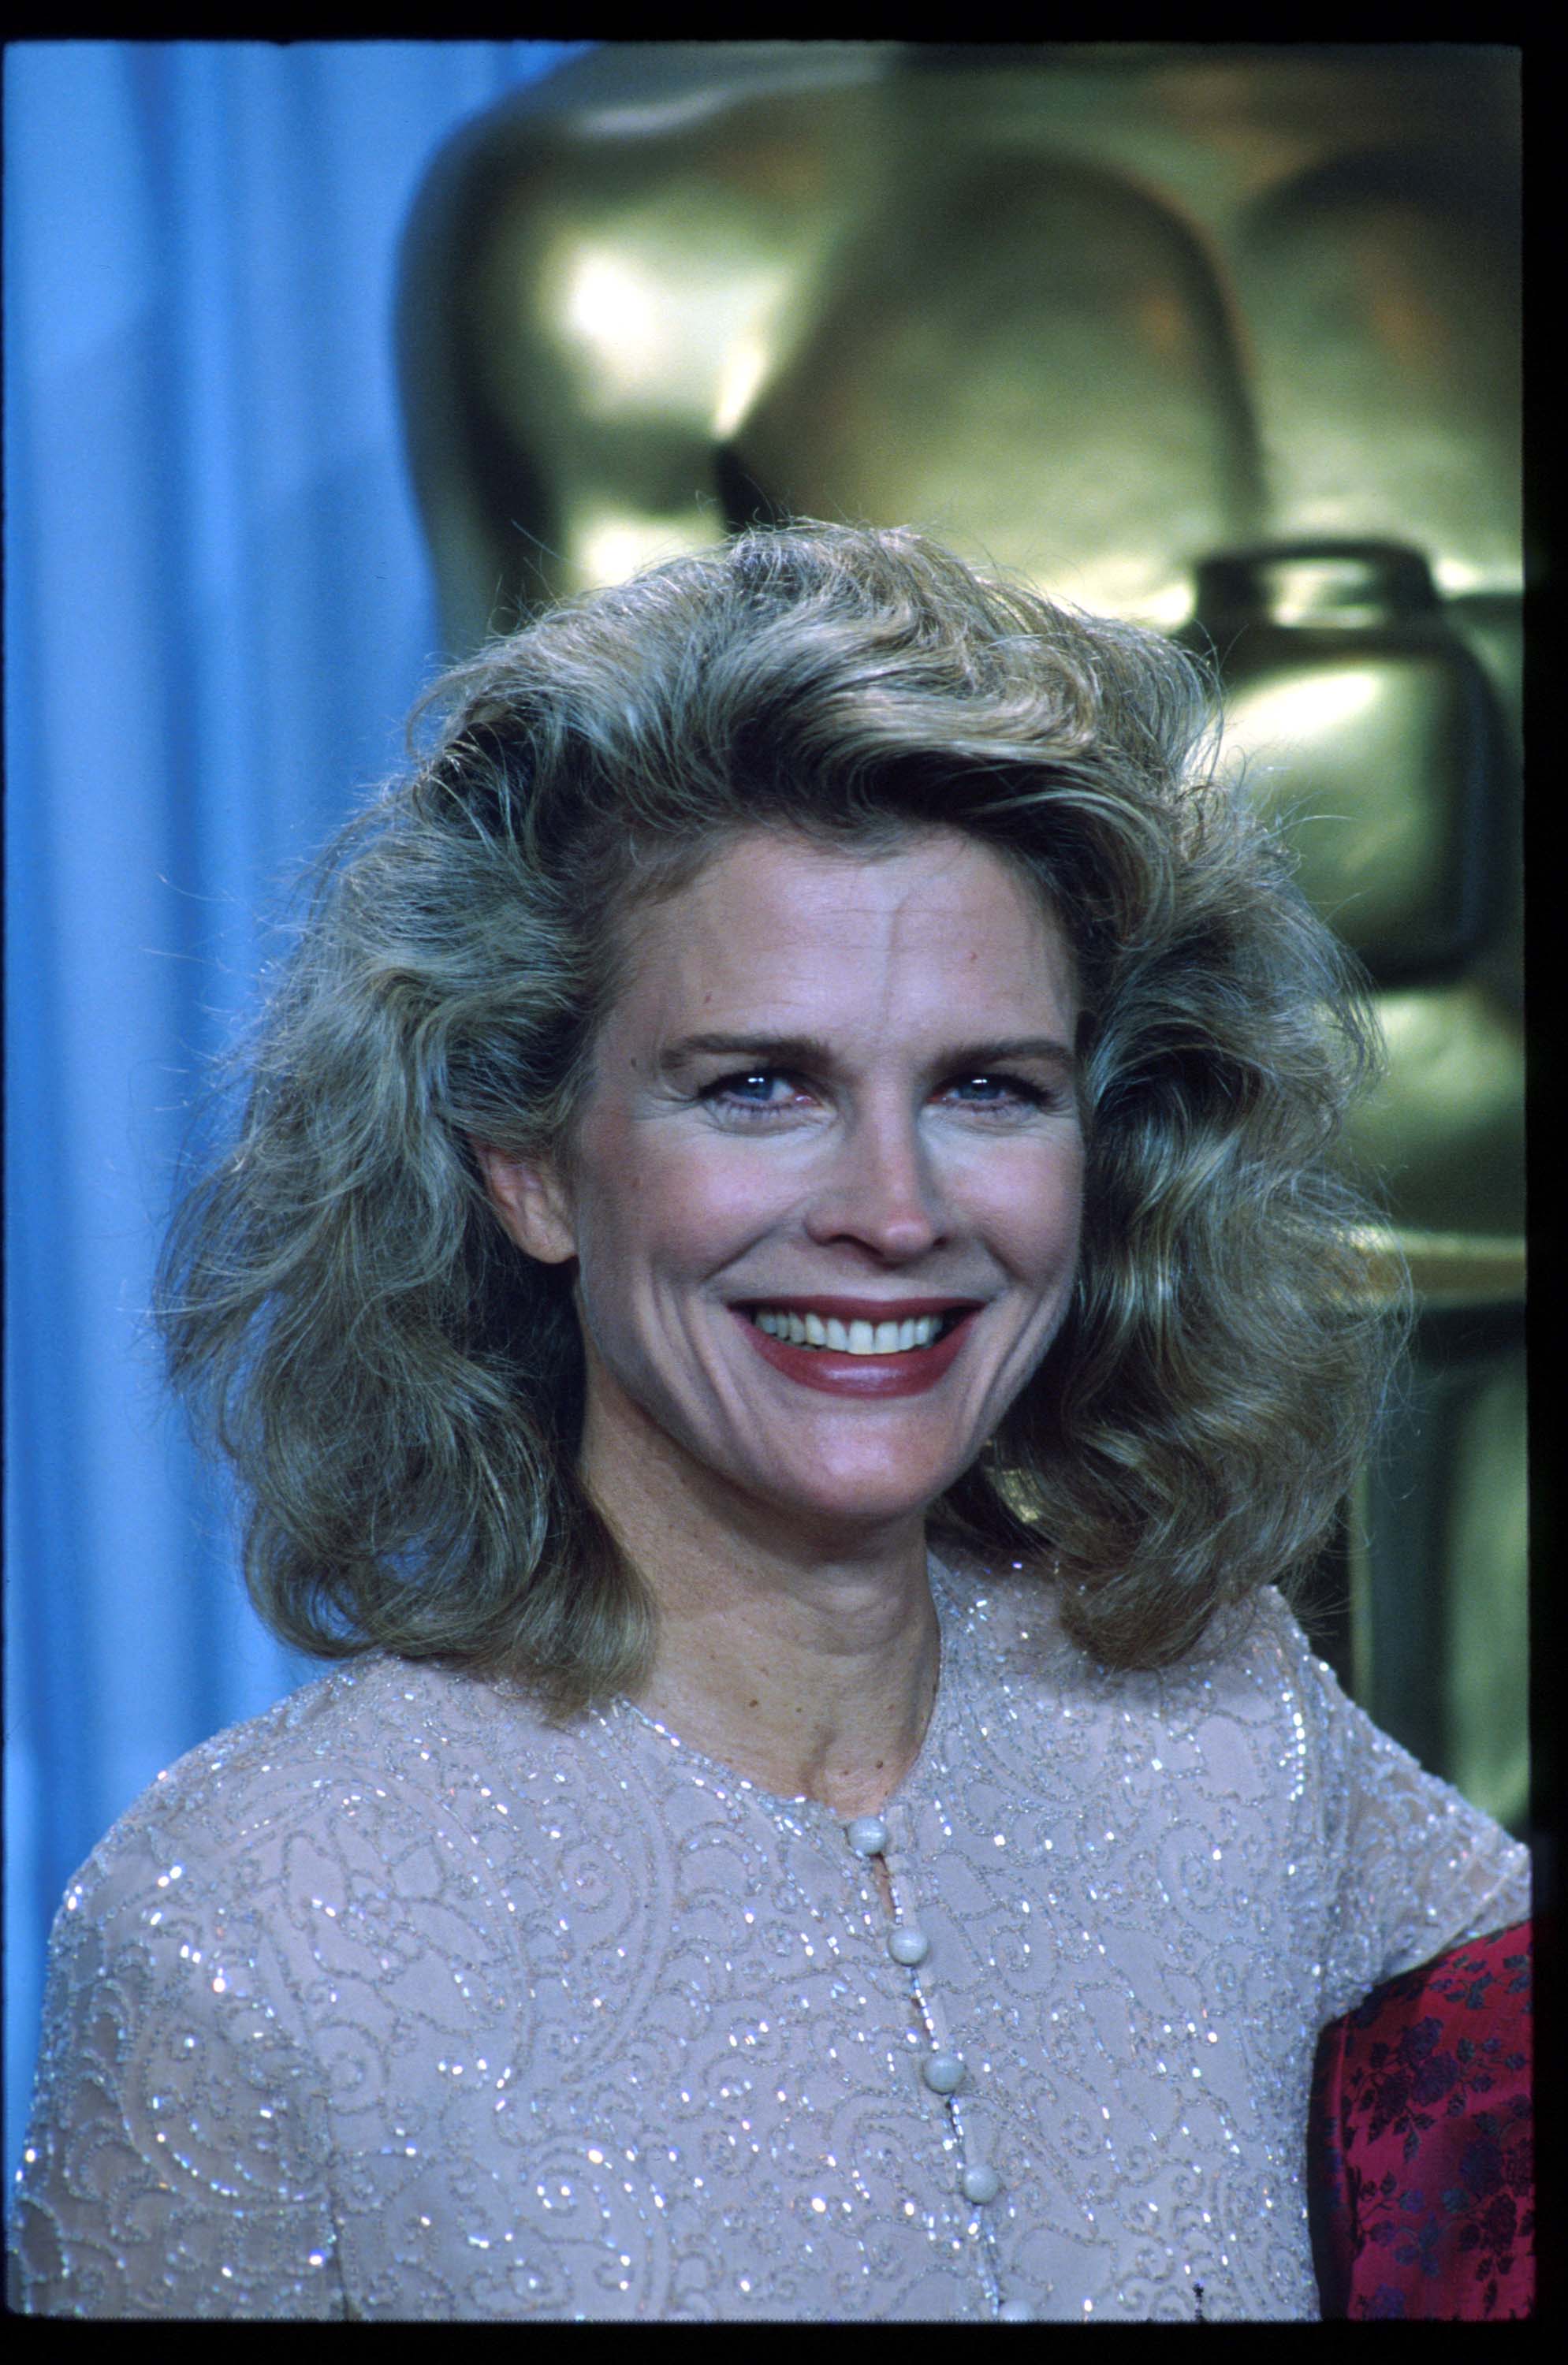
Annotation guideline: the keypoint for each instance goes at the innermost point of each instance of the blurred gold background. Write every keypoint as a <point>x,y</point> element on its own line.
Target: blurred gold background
<point>1222,339</point>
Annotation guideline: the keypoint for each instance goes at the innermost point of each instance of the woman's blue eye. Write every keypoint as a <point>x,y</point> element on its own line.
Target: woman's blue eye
<point>751,1091</point>
<point>997,1088</point>
<point>756,1090</point>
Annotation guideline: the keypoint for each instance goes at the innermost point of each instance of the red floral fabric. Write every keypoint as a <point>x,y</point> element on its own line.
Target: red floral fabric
<point>1420,2156</point>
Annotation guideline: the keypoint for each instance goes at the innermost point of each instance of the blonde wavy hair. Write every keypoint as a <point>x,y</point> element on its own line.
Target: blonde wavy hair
<point>402,1390</point>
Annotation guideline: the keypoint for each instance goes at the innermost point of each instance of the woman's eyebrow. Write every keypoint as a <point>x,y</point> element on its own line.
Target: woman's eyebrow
<point>811,1051</point>
<point>775,1050</point>
<point>993,1054</point>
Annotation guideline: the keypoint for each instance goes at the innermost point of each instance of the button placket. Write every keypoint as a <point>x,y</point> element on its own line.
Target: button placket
<point>943,2071</point>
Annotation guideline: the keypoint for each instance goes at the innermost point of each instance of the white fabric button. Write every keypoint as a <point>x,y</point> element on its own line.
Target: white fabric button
<point>867,1834</point>
<point>943,2072</point>
<point>909,1946</point>
<point>980,2183</point>
<point>1015,2311</point>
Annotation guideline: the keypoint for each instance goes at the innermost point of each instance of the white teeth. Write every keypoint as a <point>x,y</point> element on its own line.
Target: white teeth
<point>849,1339</point>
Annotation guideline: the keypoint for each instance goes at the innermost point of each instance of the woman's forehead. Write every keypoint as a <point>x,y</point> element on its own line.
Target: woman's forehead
<point>787,928</point>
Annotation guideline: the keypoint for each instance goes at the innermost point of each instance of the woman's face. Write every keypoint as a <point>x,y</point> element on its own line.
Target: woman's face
<point>838,1090</point>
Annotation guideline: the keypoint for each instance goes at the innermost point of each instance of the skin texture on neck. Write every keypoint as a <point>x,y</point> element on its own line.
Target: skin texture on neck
<point>807,1661</point>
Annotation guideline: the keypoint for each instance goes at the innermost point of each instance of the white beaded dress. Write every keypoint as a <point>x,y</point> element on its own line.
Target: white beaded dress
<point>397,2003</point>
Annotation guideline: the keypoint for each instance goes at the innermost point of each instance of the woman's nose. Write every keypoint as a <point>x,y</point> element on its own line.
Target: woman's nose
<point>880,1191</point>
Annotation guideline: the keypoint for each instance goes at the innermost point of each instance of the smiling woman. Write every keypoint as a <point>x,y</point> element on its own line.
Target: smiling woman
<point>477,930</point>
<point>781,1294</point>
<point>875,1181</point>
<point>874,1189</point>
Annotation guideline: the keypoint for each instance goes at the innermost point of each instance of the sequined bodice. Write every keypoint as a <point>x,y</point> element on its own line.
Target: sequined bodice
<point>395,2003</point>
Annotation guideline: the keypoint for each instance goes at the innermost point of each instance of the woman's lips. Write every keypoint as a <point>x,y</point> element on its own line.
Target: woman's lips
<point>908,1374</point>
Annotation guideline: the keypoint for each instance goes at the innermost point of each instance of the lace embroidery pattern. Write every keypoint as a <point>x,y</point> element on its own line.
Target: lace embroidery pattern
<point>395,2003</point>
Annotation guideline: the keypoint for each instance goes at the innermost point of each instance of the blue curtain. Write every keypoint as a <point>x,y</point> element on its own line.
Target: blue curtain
<point>217,612</point>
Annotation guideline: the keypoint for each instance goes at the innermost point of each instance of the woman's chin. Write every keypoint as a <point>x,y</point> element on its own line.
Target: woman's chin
<point>858,1499</point>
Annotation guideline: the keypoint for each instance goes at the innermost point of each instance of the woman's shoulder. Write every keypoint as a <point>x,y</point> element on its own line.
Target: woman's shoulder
<point>373,1744</point>
<point>1255,1657</point>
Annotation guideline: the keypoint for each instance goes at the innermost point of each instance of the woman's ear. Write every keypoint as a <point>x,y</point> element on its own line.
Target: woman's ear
<point>531,1199</point>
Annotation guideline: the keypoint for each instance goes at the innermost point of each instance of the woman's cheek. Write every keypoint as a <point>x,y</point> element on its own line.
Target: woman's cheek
<point>698,1205</point>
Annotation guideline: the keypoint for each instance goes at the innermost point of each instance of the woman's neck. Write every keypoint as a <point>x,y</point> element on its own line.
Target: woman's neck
<point>807,1661</point>
<point>821,1689</point>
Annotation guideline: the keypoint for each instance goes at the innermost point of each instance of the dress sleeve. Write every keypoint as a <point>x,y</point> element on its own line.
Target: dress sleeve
<point>1420,2169</point>
<point>1413,1868</point>
<point>175,2163</point>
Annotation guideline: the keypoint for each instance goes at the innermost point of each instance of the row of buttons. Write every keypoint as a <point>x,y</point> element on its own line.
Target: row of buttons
<point>942,2071</point>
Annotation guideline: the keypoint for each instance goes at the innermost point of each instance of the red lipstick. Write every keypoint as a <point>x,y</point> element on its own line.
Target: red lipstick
<point>838,1374</point>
